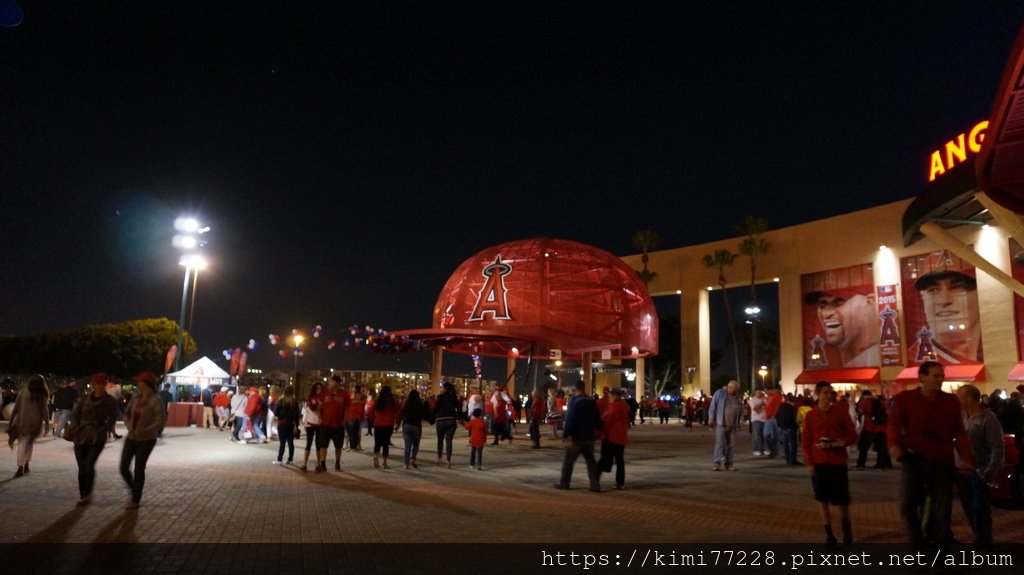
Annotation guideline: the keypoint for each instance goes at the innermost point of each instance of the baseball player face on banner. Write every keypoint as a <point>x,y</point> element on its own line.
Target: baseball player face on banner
<point>941,299</point>
<point>951,309</point>
<point>850,322</point>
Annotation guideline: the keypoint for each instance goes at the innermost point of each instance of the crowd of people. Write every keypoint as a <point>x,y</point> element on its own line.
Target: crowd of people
<point>944,443</point>
<point>940,440</point>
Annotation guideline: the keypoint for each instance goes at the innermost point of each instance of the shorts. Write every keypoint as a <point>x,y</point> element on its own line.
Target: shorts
<point>831,484</point>
<point>325,435</point>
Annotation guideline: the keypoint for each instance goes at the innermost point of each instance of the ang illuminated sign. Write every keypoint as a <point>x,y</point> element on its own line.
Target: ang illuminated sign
<point>955,151</point>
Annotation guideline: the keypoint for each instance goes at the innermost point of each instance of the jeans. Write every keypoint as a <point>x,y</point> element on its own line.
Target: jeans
<point>382,439</point>
<point>140,451</point>
<point>312,431</point>
<point>771,436</point>
<point>501,430</point>
<point>352,428</point>
<point>975,500</point>
<point>724,436</point>
<point>787,439</point>
<point>535,431</point>
<point>476,456</point>
<point>757,431</point>
<point>922,478</point>
<point>577,447</point>
<point>61,420</point>
<point>86,456</point>
<point>445,434</point>
<point>613,452</point>
<point>864,443</point>
<point>411,434</point>
<point>286,436</point>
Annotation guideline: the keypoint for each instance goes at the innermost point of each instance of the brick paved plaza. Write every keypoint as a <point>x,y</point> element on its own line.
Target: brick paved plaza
<point>203,489</point>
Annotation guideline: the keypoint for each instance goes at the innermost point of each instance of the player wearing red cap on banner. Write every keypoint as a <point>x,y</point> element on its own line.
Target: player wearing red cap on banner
<point>949,294</point>
<point>850,322</point>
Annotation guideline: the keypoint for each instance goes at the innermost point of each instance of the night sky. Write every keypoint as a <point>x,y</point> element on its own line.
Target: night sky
<point>348,158</point>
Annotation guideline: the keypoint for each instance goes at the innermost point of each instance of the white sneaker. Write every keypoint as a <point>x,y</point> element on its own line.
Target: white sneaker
<point>758,453</point>
<point>276,462</point>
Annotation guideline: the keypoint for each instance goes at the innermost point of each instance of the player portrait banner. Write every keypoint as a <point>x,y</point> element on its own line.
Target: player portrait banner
<point>940,306</point>
<point>842,324</point>
<point>889,340</point>
<point>1017,271</point>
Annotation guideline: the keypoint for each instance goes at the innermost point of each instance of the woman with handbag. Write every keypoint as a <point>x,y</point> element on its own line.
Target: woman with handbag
<point>92,418</point>
<point>144,417</point>
<point>27,420</point>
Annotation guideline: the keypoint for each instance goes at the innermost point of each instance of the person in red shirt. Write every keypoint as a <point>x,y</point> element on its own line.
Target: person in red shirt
<point>334,403</point>
<point>874,418</point>
<point>827,431</point>
<point>253,410</point>
<point>354,418</point>
<point>500,424</point>
<point>925,425</point>
<point>385,416</point>
<point>614,437</point>
<point>606,397</point>
<point>221,405</point>
<point>477,439</point>
<point>538,410</point>
<point>662,406</point>
<point>772,434</point>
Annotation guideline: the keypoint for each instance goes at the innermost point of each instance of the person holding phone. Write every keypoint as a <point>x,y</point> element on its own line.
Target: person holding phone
<point>827,431</point>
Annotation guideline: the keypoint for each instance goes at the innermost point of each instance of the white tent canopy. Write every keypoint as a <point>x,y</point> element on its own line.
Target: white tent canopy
<point>202,373</point>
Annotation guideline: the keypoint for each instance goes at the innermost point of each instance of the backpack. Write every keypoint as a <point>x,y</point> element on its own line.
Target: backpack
<point>878,414</point>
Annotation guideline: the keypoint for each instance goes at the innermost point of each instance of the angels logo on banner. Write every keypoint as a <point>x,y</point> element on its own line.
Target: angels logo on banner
<point>940,300</point>
<point>842,320</point>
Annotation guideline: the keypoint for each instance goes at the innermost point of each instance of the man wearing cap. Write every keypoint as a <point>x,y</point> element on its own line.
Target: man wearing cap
<point>949,295</point>
<point>850,323</point>
<point>582,422</point>
<point>253,412</point>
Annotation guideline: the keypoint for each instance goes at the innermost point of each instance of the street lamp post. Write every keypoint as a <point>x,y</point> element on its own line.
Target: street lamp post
<point>187,240</point>
<point>763,372</point>
<point>295,354</point>
<point>752,311</point>
<point>193,263</point>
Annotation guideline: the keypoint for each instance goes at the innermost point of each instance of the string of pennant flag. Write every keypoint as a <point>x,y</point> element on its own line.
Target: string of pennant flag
<point>354,336</point>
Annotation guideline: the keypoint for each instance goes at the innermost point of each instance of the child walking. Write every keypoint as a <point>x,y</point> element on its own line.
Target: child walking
<point>477,439</point>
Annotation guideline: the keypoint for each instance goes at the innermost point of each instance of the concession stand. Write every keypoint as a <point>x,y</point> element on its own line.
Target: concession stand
<point>201,374</point>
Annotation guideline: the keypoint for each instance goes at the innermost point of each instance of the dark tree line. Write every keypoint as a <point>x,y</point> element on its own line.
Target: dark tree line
<point>121,350</point>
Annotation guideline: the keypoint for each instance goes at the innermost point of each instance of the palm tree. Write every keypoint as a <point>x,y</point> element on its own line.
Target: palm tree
<point>645,240</point>
<point>720,260</point>
<point>753,246</point>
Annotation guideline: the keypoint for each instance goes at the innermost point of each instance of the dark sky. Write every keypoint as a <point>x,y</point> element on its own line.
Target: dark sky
<point>349,157</point>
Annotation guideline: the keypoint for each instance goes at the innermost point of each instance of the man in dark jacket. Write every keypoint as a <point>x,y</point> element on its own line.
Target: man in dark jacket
<point>581,424</point>
<point>63,403</point>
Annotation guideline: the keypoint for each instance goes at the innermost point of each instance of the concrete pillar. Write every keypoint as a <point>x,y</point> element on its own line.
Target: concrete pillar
<point>435,371</point>
<point>641,384</point>
<point>588,372</point>
<point>510,368</point>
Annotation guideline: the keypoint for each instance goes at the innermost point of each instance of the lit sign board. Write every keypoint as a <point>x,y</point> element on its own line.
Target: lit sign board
<point>955,151</point>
